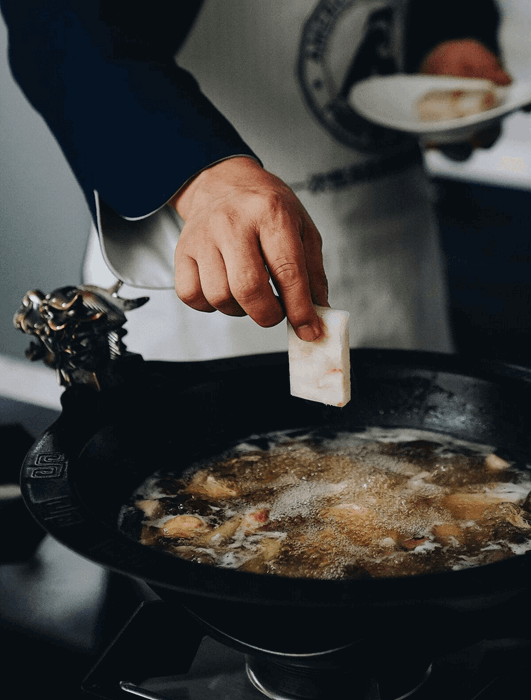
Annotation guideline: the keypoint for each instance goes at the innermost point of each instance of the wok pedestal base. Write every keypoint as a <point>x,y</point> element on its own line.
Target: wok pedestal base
<point>163,654</point>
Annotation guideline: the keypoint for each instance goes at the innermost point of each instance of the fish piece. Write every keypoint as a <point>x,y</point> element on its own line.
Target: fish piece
<point>320,370</point>
<point>439,105</point>
<point>184,526</point>
<point>255,519</point>
<point>447,534</point>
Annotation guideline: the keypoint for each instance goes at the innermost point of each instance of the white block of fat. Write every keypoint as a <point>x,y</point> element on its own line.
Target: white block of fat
<point>320,370</point>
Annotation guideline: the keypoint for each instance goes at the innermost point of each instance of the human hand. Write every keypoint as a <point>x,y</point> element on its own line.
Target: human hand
<point>466,58</point>
<point>244,226</point>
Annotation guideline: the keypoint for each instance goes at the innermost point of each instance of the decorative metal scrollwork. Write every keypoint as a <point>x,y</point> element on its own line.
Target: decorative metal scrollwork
<point>77,331</point>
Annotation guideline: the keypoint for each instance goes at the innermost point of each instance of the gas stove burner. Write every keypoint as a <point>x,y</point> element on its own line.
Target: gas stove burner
<point>281,679</point>
<point>316,688</point>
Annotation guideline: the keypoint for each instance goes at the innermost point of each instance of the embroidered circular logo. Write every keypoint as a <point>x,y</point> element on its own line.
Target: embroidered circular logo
<point>343,42</point>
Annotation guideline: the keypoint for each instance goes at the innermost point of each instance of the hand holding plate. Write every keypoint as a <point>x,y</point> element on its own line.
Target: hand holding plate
<point>466,58</point>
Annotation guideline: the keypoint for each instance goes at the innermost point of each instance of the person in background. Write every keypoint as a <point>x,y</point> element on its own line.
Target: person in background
<point>219,155</point>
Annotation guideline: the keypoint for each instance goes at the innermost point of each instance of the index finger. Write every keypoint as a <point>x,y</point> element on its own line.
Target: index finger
<point>290,269</point>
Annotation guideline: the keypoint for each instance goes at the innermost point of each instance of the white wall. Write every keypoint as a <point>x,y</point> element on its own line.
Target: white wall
<point>516,36</point>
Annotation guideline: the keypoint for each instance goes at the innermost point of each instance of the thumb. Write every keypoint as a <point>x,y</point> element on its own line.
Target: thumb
<point>499,76</point>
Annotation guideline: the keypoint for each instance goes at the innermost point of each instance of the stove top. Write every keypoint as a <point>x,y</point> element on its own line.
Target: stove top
<point>219,673</point>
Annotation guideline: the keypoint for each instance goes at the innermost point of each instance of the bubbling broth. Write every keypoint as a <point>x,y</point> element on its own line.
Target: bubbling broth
<point>378,503</point>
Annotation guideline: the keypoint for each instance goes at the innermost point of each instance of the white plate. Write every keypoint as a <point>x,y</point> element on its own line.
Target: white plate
<point>391,101</point>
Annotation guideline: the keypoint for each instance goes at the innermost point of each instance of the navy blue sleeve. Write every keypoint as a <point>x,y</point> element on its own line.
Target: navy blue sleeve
<point>131,123</point>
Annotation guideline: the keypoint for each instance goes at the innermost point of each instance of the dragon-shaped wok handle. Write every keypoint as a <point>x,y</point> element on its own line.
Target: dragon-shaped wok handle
<point>77,331</point>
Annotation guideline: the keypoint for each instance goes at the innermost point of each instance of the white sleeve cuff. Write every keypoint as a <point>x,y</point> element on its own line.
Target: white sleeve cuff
<point>139,252</point>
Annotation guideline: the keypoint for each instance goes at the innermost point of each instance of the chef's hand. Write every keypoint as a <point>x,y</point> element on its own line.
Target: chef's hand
<point>244,226</point>
<point>467,58</point>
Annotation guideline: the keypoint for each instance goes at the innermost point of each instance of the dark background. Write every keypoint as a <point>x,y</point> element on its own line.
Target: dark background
<point>485,234</point>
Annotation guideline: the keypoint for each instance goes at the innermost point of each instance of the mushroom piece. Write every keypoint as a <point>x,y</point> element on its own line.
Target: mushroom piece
<point>205,484</point>
<point>222,533</point>
<point>468,506</point>
<point>268,551</point>
<point>526,505</point>
<point>150,506</point>
<point>411,543</point>
<point>508,512</point>
<point>149,535</point>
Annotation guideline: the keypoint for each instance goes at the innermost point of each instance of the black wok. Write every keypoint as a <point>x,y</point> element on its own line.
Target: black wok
<point>86,465</point>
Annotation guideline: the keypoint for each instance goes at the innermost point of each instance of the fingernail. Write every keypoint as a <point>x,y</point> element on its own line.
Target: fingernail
<point>307,332</point>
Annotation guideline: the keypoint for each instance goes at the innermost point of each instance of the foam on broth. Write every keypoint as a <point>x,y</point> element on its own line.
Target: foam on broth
<point>383,502</point>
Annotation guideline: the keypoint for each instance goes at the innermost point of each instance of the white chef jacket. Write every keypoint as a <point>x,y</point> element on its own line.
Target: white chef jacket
<point>280,72</point>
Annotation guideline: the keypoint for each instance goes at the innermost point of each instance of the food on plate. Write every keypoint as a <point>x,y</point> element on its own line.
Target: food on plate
<point>320,370</point>
<point>339,505</point>
<point>441,105</point>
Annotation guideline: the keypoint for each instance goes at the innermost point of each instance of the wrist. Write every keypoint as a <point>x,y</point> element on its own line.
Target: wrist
<point>230,170</point>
